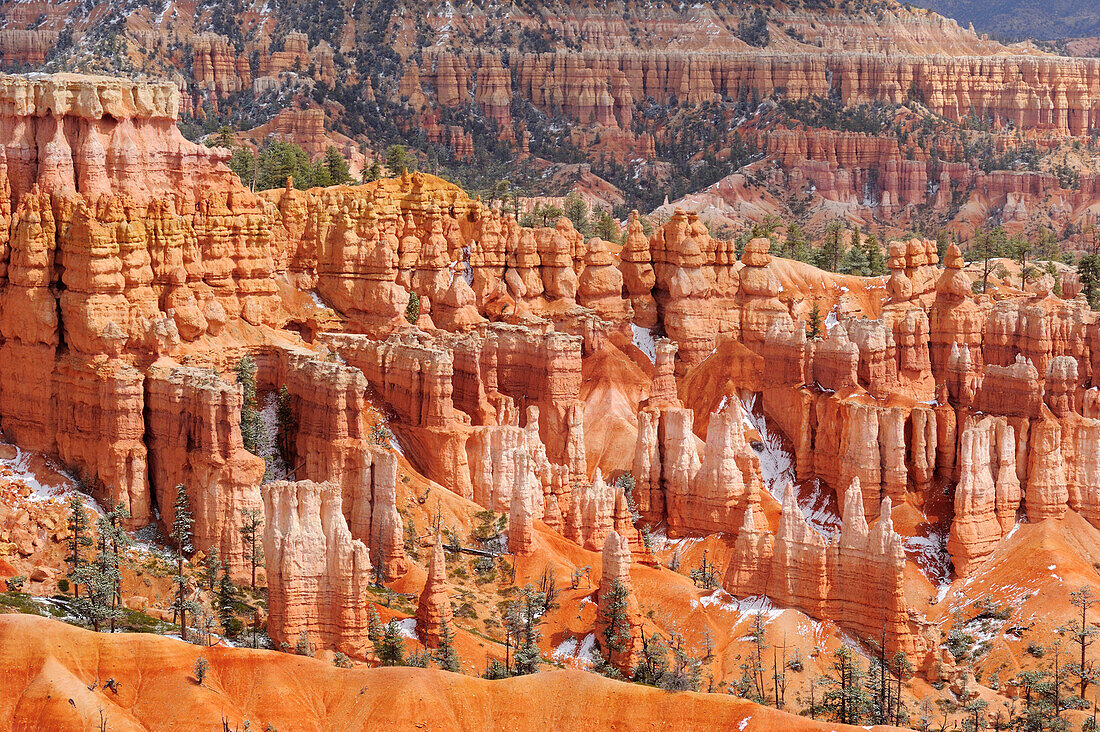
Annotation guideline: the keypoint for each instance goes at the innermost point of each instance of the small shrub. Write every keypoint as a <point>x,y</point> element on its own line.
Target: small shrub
<point>15,584</point>
<point>202,666</point>
<point>304,647</point>
<point>1036,649</point>
<point>341,660</point>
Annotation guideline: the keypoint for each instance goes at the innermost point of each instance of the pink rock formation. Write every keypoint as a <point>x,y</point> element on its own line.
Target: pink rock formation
<point>616,568</point>
<point>524,503</point>
<point>194,439</point>
<point>317,574</point>
<point>434,608</point>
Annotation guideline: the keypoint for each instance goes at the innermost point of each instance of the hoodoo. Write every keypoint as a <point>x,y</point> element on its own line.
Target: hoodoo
<point>750,352</point>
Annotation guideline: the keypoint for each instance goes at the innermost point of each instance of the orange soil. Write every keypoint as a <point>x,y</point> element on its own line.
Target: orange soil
<point>53,675</point>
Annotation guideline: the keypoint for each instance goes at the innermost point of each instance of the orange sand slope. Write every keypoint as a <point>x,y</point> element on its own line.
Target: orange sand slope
<point>52,677</point>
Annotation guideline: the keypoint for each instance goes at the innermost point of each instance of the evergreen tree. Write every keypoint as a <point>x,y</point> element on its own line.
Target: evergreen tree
<point>832,247</point>
<point>686,671</point>
<point>653,666</point>
<point>114,541</point>
<point>201,667</point>
<point>304,647</point>
<point>182,525</point>
<point>391,650</point>
<point>815,327</point>
<point>373,173</point>
<point>280,160</point>
<point>943,241</point>
<point>1082,634</point>
<point>496,670</point>
<point>336,166</point>
<point>211,569</point>
<point>876,262</point>
<point>446,655</point>
<point>795,245</point>
<point>251,523</point>
<point>605,227</point>
<point>616,632</point>
<point>251,422</point>
<point>246,166</point>
<point>226,599</point>
<point>522,619</point>
<point>1088,270</point>
<point>987,246</point>
<point>856,262</point>
<point>1020,250</point>
<point>78,540</point>
<point>101,577</point>
<point>576,210</point>
<point>399,159</point>
<point>374,627</point>
<point>846,699</point>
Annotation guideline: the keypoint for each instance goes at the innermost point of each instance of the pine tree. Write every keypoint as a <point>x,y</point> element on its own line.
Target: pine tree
<point>226,599</point>
<point>251,422</point>
<point>201,667</point>
<point>795,246</point>
<point>182,537</point>
<point>1082,634</point>
<point>211,569</point>
<point>653,666</point>
<point>814,328</point>
<point>987,246</point>
<point>336,166</point>
<point>446,655</point>
<point>101,577</point>
<point>304,647</point>
<point>391,650</point>
<point>832,248</point>
<point>110,526</point>
<point>522,619</point>
<point>252,521</point>
<point>942,243</point>
<point>876,263</point>
<point>576,210</point>
<point>846,698</point>
<point>686,671</point>
<point>374,627</point>
<point>616,632</point>
<point>78,540</point>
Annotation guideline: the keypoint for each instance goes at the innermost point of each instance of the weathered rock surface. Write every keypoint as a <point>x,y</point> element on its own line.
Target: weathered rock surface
<point>317,574</point>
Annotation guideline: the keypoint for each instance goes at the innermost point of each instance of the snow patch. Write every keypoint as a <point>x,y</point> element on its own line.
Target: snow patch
<point>577,653</point>
<point>267,441</point>
<point>20,470</point>
<point>931,555</point>
<point>644,340</point>
<point>776,464</point>
<point>407,628</point>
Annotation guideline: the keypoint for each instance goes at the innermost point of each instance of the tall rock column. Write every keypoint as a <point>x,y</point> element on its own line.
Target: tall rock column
<point>1047,494</point>
<point>638,276</point>
<point>975,530</point>
<point>616,568</point>
<point>521,513</point>
<point>317,574</point>
<point>434,608</point>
